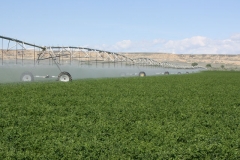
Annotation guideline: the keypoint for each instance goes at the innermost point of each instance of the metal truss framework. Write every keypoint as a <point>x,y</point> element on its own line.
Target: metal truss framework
<point>18,51</point>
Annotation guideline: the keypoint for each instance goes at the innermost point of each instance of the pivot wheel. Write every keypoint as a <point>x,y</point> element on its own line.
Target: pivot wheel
<point>166,73</point>
<point>142,74</point>
<point>64,77</point>
<point>27,77</point>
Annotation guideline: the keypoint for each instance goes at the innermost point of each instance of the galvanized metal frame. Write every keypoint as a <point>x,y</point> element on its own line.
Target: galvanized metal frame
<point>61,55</point>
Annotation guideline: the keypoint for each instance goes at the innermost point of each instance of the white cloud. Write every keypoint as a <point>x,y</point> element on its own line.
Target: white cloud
<point>192,45</point>
<point>235,37</point>
<point>122,45</point>
<point>157,41</point>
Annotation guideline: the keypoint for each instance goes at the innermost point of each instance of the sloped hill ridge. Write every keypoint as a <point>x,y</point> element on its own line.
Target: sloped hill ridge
<point>216,60</point>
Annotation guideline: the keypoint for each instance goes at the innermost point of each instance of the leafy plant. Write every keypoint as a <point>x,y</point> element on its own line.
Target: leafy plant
<point>194,64</point>
<point>208,65</point>
<point>166,117</point>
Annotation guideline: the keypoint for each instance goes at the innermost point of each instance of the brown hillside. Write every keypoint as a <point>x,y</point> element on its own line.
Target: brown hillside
<point>216,60</point>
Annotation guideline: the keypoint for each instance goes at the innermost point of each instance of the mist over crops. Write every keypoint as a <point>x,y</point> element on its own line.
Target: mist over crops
<point>13,72</point>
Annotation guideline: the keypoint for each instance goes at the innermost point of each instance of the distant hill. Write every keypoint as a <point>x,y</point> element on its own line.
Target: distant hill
<point>216,60</point>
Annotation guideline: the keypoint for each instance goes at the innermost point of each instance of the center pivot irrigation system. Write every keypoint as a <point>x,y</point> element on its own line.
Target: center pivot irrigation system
<point>34,61</point>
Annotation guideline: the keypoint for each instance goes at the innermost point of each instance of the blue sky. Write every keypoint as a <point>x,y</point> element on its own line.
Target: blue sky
<point>179,26</point>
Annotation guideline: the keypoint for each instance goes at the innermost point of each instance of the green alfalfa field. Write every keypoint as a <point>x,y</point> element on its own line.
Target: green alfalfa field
<point>194,116</point>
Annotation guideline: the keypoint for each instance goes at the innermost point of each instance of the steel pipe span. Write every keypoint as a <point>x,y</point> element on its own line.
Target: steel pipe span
<point>25,61</point>
<point>20,51</point>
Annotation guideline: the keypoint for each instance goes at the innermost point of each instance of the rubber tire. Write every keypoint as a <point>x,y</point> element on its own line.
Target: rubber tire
<point>142,74</point>
<point>166,73</point>
<point>64,77</point>
<point>27,77</point>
